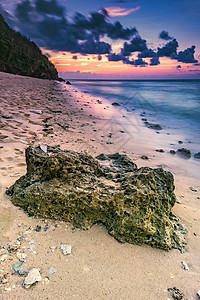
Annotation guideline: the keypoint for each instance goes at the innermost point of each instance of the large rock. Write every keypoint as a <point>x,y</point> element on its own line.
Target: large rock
<point>134,204</point>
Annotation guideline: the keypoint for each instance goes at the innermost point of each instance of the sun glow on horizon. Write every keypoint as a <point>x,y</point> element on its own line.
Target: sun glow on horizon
<point>82,64</point>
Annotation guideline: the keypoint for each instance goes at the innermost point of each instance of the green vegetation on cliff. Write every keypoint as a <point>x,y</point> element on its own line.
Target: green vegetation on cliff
<point>18,55</point>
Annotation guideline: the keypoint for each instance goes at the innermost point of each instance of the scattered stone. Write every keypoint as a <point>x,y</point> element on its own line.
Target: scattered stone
<point>36,111</point>
<point>185,266</point>
<point>53,248</point>
<point>45,281</point>
<point>46,227</point>
<point>178,200</point>
<point>68,82</point>
<point>32,278</point>
<point>135,204</point>
<point>7,116</point>
<point>115,104</point>
<point>193,189</point>
<point>109,143</point>
<point>4,257</point>
<point>197,155</point>
<point>180,142</point>
<point>21,256</point>
<point>3,279</point>
<point>144,157</point>
<point>198,294</point>
<point>32,247</point>
<point>184,153</point>
<point>17,268</point>
<point>52,270</point>
<point>9,289</point>
<point>153,126</point>
<point>38,228</point>
<point>172,151</point>
<point>160,150</point>
<point>98,101</point>
<point>176,293</point>
<point>66,249</point>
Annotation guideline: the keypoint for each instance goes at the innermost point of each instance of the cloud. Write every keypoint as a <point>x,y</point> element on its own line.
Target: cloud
<point>119,57</point>
<point>154,61</point>
<point>147,53</point>
<point>169,50</point>
<point>165,36</point>
<point>137,62</point>
<point>51,7</point>
<point>137,44</point>
<point>47,24</point>
<point>94,47</point>
<point>187,56</point>
<point>116,11</point>
<point>115,57</point>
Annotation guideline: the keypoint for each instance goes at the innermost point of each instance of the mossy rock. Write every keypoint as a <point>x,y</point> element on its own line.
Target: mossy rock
<point>134,204</point>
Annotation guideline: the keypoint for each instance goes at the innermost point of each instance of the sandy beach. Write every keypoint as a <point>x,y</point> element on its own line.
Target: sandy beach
<point>43,112</point>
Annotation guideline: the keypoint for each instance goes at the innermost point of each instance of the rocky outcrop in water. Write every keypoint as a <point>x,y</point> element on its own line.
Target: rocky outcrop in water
<point>134,204</point>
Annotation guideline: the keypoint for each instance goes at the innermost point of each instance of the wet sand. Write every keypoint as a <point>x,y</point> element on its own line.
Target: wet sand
<point>39,112</point>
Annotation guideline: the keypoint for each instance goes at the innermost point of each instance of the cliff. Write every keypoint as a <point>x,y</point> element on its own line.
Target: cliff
<point>18,55</point>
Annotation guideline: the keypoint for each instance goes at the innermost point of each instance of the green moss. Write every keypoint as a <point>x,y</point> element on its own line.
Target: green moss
<point>19,55</point>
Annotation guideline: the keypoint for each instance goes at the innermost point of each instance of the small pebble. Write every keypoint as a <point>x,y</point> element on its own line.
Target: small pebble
<point>66,249</point>
<point>36,111</point>
<point>52,270</point>
<point>144,157</point>
<point>7,116</point>
<point>193,189</point>
<point>160,150</point>
<point>38,228</point>
<point>4,280</point>
<point>45,281</point>
<point>178,201</point>
<point>185,266</point>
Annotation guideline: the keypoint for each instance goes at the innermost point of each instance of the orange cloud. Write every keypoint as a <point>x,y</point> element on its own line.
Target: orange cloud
<point>116,11</point>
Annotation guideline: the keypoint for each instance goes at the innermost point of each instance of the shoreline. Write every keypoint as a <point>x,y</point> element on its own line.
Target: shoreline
<point>99,267</point>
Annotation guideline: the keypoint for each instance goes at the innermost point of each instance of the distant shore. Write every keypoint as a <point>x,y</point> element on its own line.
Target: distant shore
<point>43,112</point>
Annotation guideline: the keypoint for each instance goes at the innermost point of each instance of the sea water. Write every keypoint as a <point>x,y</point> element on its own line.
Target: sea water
<point>173,104</point>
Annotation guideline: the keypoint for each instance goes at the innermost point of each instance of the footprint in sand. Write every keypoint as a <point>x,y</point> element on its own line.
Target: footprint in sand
<point>3,137</point>
<point>9,158</point>
<point>21,165</point>
<point>18,151</point>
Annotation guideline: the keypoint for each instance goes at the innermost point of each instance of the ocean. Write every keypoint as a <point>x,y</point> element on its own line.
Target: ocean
<point>173,104</point>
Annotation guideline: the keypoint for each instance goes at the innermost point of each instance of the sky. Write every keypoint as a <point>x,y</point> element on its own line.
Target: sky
<point>112,39</point>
